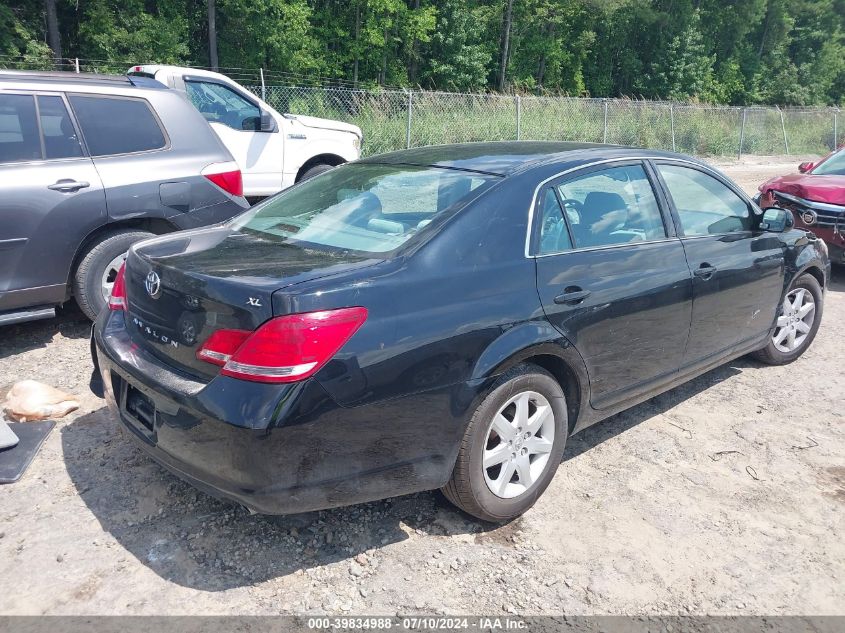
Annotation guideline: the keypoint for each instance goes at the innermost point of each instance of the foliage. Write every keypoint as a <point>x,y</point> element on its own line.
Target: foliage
<point>714,51</point>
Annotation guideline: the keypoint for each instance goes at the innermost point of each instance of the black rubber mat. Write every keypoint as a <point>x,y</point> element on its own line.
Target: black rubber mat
<point>14,461</point>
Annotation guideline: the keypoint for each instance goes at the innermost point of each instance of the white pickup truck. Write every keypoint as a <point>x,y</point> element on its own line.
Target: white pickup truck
<point>272,150</point>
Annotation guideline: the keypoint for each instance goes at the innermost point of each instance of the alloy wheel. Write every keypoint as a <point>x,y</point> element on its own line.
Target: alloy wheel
<point>110,274</point>
<point>518,443</point>
<point>796,320</point>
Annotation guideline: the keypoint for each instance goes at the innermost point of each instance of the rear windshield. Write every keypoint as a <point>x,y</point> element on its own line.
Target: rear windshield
<point>833,166</point>
<point>362,207</point>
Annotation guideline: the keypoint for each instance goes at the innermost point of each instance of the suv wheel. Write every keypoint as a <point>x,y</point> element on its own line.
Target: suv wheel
<point>512,446</point>
<point>95,275</point>
<point>799,317</point>
<point>316,170</point>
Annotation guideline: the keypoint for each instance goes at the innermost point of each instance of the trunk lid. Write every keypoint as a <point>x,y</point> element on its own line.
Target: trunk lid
<point>183,287</point>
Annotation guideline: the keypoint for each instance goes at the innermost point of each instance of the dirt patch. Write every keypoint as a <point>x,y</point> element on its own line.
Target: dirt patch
<point>640,519</point>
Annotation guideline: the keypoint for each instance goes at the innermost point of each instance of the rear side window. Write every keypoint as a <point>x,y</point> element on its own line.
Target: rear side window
<point>59,135</point>
<point>705,206</point>
<point>554,234</point>
<point>612,206</point>
<point>117,125</point>
<point>19,138</point>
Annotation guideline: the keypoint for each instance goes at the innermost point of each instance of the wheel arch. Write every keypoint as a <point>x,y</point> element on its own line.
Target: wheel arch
<point>815,271</point>
<point>538,343</point>
<point>320,159</point>
<point>158,226</point>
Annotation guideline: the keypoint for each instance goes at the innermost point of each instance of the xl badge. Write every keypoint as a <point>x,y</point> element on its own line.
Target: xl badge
<point>153,284</point>
<point>254,302</point>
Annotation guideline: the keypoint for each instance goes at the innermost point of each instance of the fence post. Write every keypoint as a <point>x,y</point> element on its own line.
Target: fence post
<point>604,137</point>
<point>741,133</point>
<point>263,87</point>
<point>672,123</point>
<point>408,127</point>
<point>783,129</point>
<point>76,64</point>
<point>518,117</point>
<point>835,132</point>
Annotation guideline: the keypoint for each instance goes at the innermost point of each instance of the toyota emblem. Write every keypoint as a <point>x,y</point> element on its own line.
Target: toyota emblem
<point>809,217</point>
<point>153,284</point>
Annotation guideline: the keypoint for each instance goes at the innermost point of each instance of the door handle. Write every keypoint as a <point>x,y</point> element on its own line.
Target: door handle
<point>572,295</point>
<point>67,185</point>
<point>705,271</point>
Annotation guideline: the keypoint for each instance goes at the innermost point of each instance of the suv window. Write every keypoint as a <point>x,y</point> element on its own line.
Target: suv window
<point>612,206</point>
<point>19,138</point>
<point>59,135</point>
<point>705,206</point>
<point>220,104</point>
<point>117,125</point>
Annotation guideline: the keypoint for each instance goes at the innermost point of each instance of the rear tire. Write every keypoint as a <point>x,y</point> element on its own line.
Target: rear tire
<point>799,317</point>
<point>530,448</point>
<point>97,268</point>
<point>316,170</point>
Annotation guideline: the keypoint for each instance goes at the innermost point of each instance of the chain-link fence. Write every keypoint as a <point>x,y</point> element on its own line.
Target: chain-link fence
<point>396,119</point>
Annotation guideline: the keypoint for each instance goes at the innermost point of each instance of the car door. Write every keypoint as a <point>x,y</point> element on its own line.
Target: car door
<point>737,270</point>
<point>51,199</point>
<point>612,278</point>
<point>236,119</point>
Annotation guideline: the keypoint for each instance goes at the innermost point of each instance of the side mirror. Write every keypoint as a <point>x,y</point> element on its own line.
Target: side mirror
<point>805,167</point>
<point>776,220</point>
<point>268,122</point>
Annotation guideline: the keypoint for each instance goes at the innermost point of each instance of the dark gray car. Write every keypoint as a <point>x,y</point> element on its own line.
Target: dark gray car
<point>90,164</point>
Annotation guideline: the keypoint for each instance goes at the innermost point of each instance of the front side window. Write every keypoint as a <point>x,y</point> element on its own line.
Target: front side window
<point>19,137</point>
<point>705,206</point>
<point>367,208</point>
<point>117,125</point>
<point>220,104</point>
<point>59,136</point>
<point>833,166</point>
<point>612,206</point>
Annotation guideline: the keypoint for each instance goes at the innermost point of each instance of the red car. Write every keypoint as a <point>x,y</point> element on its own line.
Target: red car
<point>816,197</point>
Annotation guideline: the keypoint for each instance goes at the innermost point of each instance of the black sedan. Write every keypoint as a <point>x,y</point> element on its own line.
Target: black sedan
<point>444,317</point>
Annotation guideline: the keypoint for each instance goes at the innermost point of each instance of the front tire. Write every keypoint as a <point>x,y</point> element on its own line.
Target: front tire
<point>799,317</point>
<point>512,446</point>
<point>98,268</point>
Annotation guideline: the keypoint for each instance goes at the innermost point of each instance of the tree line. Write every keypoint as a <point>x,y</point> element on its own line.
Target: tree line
<point>742,52</point>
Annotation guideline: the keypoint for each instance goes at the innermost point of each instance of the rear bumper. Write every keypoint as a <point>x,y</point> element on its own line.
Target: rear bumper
<point>276,449</point>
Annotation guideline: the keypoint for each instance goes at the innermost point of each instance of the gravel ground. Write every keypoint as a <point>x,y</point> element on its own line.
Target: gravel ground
<point>723,496</point>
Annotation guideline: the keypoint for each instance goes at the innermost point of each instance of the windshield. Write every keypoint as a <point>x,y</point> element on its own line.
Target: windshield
<point>362,207</point>
<point>833,166</point>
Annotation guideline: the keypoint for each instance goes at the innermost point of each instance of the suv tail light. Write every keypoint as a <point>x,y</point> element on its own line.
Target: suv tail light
<point>227,176</point>
<point>117,300</point>
<point>284,349</point>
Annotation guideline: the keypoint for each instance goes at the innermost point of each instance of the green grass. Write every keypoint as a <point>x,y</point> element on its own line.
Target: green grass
<point>457,118</point>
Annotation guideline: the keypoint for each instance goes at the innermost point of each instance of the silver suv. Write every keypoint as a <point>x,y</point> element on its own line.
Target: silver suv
<point>89,165</point>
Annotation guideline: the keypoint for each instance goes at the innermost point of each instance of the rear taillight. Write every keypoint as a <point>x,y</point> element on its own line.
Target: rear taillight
<point>284,349</point>
<point>117,300</point>
<point>227,176</point>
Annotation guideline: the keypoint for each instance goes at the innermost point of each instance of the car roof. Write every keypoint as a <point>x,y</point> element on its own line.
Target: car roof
<point>178,70</point>
<point>53,77</point>
<point>503,158</point>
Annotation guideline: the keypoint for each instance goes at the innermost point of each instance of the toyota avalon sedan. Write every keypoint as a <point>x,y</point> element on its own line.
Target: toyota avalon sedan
<point>444,317</point>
